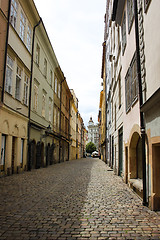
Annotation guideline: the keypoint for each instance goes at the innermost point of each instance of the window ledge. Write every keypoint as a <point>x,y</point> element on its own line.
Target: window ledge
<point>137,183</point>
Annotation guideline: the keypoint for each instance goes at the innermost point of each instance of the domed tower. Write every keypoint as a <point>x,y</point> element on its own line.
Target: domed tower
<point>90,123</point>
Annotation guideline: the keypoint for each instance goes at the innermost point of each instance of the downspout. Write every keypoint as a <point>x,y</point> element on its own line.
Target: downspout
<point>30,93</point>
<point>5,55</point>
<point>69,128</point>
<point>60,142</point>
<point>142,125</point>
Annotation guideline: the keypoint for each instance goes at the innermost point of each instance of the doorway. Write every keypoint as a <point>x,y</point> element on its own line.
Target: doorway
<point>120,133</point>
<point>156,177</point>
<point>112,163</point>
<point>13,154</point>
<point>3,148</point>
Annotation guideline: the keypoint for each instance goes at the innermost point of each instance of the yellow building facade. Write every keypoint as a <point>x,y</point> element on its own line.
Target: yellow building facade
<point>74,126</point>
<point>14,107</point>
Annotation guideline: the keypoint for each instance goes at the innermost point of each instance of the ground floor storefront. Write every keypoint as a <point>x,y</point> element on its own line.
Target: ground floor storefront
<point>13,142</point>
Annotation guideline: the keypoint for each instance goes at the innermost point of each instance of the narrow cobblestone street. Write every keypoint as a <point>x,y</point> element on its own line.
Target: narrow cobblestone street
<point>80,199</point>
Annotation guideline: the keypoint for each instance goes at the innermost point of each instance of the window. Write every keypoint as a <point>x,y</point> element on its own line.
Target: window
<point>43,104</point>
<point>131,84</point>
<point>55,87</point>
<point>134,86</point>
<point>51,77</point>
<point>9,72</point>
<point>37,54</point>
<point>50,109</point>
<point>13,17</point>
<point>3,146</point>
<point>130,12</point>
<point>115,117</point>
<point>58,118</point>
<point>59,90</point>
<point>128,90</point>
<point>146,5</point>
<point>26,87</point>
<point>45,68</point>
<point>18,83</point>
<point>55,116</point>
<point>124,41</point>
<point>22,147</point>
<point>112,110</point>
<point>120,94</point>
<point>35,104</point>
<point>29,32</point>
<point>22,26</point>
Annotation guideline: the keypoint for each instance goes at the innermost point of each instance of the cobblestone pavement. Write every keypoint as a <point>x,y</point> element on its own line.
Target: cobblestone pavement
<point>80,199</point>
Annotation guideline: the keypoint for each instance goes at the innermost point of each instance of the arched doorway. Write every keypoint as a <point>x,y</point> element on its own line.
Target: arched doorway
<point>39,154</point>
<point>47,154</point>
<point>135,156</point>
<point>135,164</point>
<point>33,153</point>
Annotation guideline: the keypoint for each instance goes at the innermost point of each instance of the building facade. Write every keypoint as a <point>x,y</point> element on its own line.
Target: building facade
<point>93,133</point>
<point>132,100</point>
<point>15,89</point>
<point>150,74</point>
<point>35,105</point>
<point>65,121</point>
<point>42,95</point>
<point>73,126</point>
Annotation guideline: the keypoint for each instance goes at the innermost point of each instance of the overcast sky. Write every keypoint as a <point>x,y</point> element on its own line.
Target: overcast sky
<point>76,30</point>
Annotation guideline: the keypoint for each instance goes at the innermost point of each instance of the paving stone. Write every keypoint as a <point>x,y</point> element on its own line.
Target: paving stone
<point>73,200</point>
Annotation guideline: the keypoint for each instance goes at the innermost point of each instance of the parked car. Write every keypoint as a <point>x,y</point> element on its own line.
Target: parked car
<point>95,154</point>
<point>88,154</point>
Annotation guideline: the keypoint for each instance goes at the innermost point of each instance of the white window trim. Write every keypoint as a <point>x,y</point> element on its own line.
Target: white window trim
<point>22,26</point>
<point>8,81</point>
<point>18,80</point>
<point>26,90</point>
<point>13,15</point>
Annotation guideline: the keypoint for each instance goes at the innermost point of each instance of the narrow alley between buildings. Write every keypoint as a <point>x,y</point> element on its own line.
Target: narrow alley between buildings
<point>81,199</point>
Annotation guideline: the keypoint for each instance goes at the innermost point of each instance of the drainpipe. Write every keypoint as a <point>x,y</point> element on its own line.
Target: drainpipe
<point>69,128</point>
<point>30,92</point>
<point>60,142</point>
<point>5,55</point>
<point>142,125</point>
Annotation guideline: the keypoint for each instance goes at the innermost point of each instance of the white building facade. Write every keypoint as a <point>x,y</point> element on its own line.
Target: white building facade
<point>93,133</point>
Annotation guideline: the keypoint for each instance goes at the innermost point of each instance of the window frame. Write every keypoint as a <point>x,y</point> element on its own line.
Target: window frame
<point>22,26</point>
<point>133,67</point>
<point>120,90</point>
<point>130,14</point>
<point>26,88</point>
<point>50,110</point>
<point>51,77</point>
<point>59,90</point>
<point>124,33</point>
<point>35,99</point>
<point>13,14</point>
<point>43,104</point>
<point>55,85</point>
<point>29,37</point>
<point>45,68</point>
<point>131,81</point>
<point>128,90</point>
<point>37,54</point>
<point>146,5</point>
<point>18,83</point>
<point>55,117</point>
<point>9,77</point>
